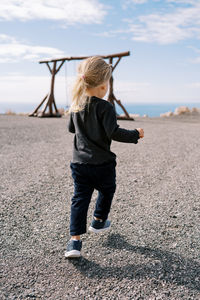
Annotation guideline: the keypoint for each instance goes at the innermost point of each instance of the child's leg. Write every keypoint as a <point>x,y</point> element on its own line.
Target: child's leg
<point>79,209</point>
<point>106,188</point>
<point>80,201</point>
<point>103,204</point>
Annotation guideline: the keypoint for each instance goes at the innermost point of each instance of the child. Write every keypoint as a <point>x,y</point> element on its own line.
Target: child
<point>93,121</point>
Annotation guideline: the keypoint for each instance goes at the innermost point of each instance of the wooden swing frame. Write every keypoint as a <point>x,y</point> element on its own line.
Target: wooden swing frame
<point>50,105</point>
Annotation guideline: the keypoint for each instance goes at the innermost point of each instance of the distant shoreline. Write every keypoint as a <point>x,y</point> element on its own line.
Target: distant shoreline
<point>150,109</point>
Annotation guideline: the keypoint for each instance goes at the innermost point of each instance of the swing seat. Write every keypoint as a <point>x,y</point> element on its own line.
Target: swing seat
<point>48,115</point>
<point>125,118</point>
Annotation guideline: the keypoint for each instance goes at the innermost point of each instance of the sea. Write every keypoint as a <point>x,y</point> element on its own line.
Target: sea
<point>150,109</point>
<point>154,109</point>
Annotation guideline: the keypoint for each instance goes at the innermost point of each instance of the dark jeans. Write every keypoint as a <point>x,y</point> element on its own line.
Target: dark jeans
<point>86,179</point>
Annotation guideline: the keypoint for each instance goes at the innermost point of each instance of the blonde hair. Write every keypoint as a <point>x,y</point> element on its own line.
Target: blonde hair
<point>92,72</point>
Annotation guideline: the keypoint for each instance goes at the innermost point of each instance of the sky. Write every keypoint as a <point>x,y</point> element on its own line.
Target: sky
<point>163,38</point>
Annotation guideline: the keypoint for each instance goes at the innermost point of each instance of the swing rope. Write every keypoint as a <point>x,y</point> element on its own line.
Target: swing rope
<point>66,89</point>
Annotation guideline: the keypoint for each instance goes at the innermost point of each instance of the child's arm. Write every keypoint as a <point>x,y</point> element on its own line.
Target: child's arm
<point>71,127</point>
<point>116,133</point>
<point>125,136</point>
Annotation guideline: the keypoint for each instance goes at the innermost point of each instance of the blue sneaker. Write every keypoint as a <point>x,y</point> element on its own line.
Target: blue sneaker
<point>99,226</point>
<point>73,249</point>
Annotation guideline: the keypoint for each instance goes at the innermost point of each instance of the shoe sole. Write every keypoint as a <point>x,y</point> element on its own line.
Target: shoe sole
<point>72,254</point>
<point>92,229</point>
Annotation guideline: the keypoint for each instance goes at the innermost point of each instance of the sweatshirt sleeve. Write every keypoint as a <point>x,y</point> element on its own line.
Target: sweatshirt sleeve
<point>71,127</point>
<point>112,129</point>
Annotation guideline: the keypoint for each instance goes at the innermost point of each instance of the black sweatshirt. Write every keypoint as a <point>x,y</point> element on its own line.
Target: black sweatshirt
<point>95,127</point>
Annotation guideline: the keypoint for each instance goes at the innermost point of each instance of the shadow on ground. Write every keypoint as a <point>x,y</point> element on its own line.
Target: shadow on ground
<point>164,265</point>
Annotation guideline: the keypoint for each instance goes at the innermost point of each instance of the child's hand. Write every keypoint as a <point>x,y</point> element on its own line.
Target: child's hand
<point>141,132</point>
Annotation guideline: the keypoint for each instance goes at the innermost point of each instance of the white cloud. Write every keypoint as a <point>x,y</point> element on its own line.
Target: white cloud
<point>195,60</point>
<point>197,50</point>
<point>194,85</point>
<point>69,11</point>
<point>7,38</point>
<point>163,27</point>
<point>166,28</point>
<point>183,1</point>
<point>12,50</point>
<point>127,3</point>
<point>169,1</point>
<point>136,1</point>
<point>111,33</point>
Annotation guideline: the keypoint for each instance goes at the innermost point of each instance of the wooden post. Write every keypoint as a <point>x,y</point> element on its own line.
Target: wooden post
<point>111,96</point>
<point>50,104</point>
<point>33,114</point>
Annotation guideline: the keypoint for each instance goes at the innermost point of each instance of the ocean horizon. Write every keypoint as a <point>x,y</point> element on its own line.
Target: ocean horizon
<point>150,109</point>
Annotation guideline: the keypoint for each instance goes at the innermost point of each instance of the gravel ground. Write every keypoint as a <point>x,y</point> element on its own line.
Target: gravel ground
<point>152,250</point>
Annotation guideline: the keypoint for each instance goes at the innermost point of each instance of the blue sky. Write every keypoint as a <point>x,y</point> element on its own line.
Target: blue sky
<point>162,36</point>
